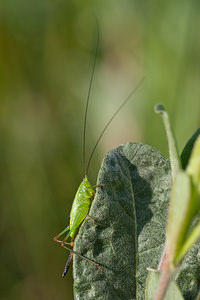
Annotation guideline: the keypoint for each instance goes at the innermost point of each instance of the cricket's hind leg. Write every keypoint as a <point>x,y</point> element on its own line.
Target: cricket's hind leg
<point>68,264</point>
<point>72,252</point>
<point>56,238</point>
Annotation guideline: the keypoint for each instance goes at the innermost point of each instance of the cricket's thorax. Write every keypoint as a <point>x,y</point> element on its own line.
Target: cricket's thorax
<point>81,205</point>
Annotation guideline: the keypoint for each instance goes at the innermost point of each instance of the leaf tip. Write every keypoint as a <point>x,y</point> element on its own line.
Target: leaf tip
<point>159,108</point>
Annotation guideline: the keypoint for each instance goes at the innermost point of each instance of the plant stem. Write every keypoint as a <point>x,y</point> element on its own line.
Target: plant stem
<point>163,284</point>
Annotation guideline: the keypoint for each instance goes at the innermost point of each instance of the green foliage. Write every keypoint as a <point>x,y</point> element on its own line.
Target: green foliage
<point>46,53</point>
<point>185,155</point>
<point>179,216</point>
<point>183,223</point>
<point>173,149</point>
<point>127,237</point>
<point>129,230</point>
<point>183,228</point>
<point>191,219</point>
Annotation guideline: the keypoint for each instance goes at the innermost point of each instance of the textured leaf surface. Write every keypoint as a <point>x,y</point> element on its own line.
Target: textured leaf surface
<point>173,292</point>
<point>129,230</point>
<point>188,277</point>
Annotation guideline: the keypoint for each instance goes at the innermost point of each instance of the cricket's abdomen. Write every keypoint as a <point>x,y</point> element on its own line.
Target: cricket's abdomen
<point>81,205</point>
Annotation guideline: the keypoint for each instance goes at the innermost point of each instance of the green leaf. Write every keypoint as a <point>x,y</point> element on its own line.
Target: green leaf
<point>127,236</point>
<point>173,291</point>
<point>173,149</point>
<point>191,239</point>
<point>193,168</point>
<point>182,233</point>
<point>185,155</point>
<point>181,236</point>
<point>184,225</point>
<point>179,216</point>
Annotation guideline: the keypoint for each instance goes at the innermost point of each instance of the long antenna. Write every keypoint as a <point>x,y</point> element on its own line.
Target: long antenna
<point>88,98</point>
<point>113,116</point>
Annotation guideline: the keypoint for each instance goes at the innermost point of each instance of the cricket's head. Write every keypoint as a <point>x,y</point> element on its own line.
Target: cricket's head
<point>90,192</point>
<point>86,182</point>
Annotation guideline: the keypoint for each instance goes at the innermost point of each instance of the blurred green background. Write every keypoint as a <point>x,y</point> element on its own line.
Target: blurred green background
<point>46,54</point>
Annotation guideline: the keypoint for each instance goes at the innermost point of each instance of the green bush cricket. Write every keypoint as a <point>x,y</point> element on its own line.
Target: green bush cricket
<point>86,192</point>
